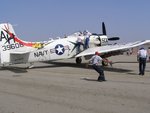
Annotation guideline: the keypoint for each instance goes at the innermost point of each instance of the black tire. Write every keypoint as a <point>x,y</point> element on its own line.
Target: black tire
<point>78,60</point>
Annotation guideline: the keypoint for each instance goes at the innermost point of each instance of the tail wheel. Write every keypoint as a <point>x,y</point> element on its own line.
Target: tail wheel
<point>78,60</point>
<point>105,63</point>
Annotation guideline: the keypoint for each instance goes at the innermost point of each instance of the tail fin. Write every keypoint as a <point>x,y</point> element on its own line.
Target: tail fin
<point>8,36</point>
<point>8,42</point>
<point>11,46</point>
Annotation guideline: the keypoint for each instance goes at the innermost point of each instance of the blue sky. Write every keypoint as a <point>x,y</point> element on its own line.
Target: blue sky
<point>38,20</point>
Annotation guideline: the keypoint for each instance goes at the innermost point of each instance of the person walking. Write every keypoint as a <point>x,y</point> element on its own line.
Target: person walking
<point>142,57</point>
<point>95,60</point>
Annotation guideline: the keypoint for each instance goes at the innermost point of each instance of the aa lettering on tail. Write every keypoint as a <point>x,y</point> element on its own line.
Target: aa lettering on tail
<point>6,37</point>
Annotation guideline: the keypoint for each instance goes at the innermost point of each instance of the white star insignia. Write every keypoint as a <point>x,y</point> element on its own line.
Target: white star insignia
<point>60,49</point>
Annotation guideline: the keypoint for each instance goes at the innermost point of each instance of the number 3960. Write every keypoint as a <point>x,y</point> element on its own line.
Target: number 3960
<point>12,46</point>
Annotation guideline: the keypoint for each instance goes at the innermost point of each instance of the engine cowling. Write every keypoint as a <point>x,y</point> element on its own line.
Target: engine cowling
<point>98,40</point>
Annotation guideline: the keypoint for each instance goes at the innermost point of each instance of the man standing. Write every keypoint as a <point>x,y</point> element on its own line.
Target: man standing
<point>87,39</point>
<point>79,43</point>
<point>142,56</point>
<point>95,60</point>
<point>86,42</point>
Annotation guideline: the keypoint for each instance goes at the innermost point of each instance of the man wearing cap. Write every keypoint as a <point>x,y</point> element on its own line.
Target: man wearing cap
<point>95,60</point>
<point>142,56</point>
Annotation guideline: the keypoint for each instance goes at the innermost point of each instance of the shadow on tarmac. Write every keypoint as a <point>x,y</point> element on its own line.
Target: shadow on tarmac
<point>83,65</point>
<point>14,69</point>
<point>67,64</point>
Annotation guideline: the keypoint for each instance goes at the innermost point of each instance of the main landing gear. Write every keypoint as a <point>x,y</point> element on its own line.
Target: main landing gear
<point>78,60</point>
<point>104,62</point>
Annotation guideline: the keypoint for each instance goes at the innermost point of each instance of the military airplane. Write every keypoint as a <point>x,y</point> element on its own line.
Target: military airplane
<point>13,50</point>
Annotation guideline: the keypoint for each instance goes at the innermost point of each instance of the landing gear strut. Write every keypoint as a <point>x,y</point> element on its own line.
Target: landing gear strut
<point>78,60</point>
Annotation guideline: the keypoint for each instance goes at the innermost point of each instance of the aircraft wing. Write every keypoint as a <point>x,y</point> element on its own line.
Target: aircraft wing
<point>113,48</point>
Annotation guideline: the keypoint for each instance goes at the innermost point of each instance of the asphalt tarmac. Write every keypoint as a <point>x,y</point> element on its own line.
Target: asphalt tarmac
<point>65,87</point>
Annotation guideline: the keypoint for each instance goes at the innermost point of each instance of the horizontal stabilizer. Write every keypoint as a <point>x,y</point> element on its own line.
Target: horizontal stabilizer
<point>19,53</point>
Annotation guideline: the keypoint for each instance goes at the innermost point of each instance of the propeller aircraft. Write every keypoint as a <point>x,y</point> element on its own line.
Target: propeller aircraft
<point>13,50</point>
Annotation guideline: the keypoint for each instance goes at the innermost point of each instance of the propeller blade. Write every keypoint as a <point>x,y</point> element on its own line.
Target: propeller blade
<point>113,38</point>
<point>104,33</point>
<point>103,29</point>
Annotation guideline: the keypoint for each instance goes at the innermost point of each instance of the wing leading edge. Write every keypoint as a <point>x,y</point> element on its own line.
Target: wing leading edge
<point>112,48</point>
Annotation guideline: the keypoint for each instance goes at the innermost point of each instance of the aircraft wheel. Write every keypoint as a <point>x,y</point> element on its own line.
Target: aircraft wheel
<point>78,60</point>
<point>104,63</point>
